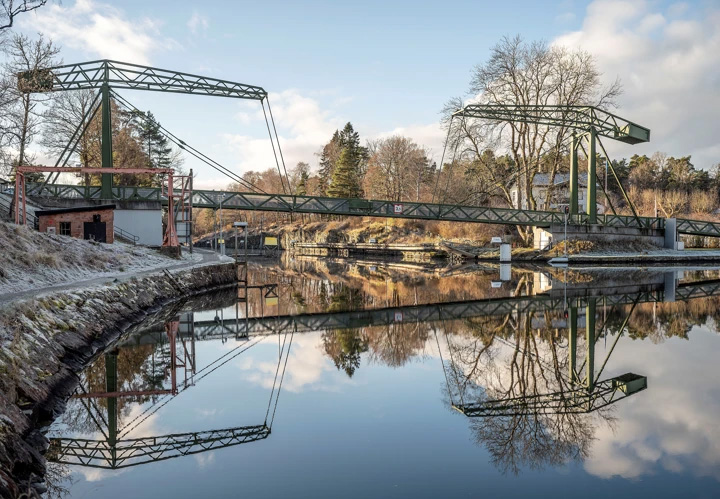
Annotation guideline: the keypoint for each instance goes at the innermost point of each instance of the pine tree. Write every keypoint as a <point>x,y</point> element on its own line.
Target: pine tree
<point>301,189</point>
<point>357,157</point>
<point>154,142</point>
<point>328,159</point>
<point>344,180</point>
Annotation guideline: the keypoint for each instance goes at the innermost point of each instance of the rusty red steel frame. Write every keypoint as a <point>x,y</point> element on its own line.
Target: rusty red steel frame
<point>170,238</point>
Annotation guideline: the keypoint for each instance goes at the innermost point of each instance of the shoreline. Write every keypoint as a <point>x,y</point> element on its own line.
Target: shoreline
<point>49,339</point>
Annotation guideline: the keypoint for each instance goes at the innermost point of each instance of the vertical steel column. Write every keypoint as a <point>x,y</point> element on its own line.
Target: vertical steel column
<point>592,179</point>
<point>590,340</point>
<point>574,176</point>
<point>190,218</point>
<point>111,383</point>
<point>572,341</point>
<point>107,159</point>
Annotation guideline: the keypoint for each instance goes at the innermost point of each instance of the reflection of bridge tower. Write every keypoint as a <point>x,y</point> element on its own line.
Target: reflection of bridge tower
<point>181,356</point>
<point>118,450</point>
<point>584,394</point>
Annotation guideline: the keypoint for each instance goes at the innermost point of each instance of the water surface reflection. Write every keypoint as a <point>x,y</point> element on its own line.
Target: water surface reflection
<point>574,377</point>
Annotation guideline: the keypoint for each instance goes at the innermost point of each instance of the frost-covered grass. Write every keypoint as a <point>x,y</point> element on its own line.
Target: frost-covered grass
<point>33,260</point>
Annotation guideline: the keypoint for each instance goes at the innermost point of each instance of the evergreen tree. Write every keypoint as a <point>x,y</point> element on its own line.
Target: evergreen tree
<point>328,158</point>
<point>344,180</point>
<point>301,189</point>
<point>154,142</point>
<point>357,155</point>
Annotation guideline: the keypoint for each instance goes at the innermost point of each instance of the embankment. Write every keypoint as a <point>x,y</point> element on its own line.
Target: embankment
<point>46,341</point>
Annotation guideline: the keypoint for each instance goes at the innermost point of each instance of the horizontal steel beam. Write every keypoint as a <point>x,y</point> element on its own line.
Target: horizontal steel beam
<point>121,75</point>
<point>577,401</point>
<point>434,312</point>
<point>582,118</point>
<point>135,451</point>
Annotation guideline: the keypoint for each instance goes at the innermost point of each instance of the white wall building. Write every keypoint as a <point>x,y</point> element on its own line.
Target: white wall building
<point>559,192</point>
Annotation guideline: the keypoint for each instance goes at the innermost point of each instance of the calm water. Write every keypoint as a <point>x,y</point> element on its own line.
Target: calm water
<point>334,380</point>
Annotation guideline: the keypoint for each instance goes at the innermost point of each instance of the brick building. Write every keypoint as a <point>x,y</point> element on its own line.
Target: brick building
<point>82,222</point>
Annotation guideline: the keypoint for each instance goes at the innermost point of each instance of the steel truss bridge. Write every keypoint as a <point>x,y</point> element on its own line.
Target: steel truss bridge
<point>252,201</point>
<point>107,76</point>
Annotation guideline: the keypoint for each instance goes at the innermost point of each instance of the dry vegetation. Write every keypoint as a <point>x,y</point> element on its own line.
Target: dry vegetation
<point>359,230</point>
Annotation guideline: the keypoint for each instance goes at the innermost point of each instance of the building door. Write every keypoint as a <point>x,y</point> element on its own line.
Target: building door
<point>95,231</point>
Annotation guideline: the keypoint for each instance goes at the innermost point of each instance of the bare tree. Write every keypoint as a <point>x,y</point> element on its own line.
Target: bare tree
<point>522,73</point>
<point>398,169</point>
<point>68,111</point>
<point>21,117</point>
<point>10,9</point>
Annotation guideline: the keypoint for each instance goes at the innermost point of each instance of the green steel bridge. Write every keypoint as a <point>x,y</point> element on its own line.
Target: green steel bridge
<point>253,201</point>
<point>587,123</point>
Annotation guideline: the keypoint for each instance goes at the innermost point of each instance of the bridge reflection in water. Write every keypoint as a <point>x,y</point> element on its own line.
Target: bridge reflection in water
<point>531,389</point>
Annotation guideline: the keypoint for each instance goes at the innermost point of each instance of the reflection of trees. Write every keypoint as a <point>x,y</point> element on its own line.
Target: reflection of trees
<point>394,345</point>
<point>58,480</point>
<point>139,368</point>
<point>344,346</point>
<point>504,359</point>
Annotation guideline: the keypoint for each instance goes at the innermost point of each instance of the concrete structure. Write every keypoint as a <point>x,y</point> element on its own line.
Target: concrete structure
<point>82,222</point>
<point>546,238</point>
<point>142,221</point>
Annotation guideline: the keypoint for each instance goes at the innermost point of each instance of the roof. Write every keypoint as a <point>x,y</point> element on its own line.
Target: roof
<point>57,211</point>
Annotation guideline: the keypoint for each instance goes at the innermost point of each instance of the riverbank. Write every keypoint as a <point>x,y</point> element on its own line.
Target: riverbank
<point>45,341</point>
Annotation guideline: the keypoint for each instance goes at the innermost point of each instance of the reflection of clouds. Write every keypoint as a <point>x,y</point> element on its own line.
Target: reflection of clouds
<point>206,413</point>
<point>305,368</point>
<point>96,474</point>
<point>671,426</point>
<point>145,427</point>
<point>205,460</point>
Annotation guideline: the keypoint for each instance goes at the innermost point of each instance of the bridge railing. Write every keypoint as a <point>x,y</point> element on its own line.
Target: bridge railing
<point>698,227</point>
<point>623,221</point>
<point>373,207</point>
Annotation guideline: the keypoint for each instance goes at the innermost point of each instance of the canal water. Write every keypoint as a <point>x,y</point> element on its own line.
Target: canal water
<point>331,379</point>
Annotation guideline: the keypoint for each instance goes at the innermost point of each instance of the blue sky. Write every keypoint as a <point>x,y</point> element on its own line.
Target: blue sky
<point>388,67</point>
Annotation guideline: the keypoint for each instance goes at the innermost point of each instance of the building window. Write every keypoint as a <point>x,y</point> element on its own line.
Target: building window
<point>64,228</point>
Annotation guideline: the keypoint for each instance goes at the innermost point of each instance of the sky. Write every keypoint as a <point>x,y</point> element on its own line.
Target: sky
<point>388,67</point>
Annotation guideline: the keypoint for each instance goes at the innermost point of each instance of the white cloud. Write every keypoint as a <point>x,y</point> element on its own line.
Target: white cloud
<point>197,22</point>
<point>670,426</point>
<point>99,30</point>
<point>670,69</point>
<point>303,126</point>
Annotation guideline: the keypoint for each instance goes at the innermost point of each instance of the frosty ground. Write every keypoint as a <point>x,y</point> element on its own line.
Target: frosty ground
<point>30,260</point>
